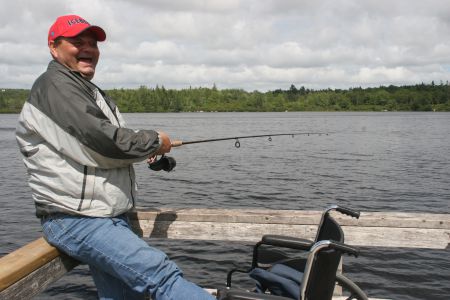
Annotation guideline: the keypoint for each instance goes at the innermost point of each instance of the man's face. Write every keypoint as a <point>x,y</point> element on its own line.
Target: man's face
<point>78,53</point>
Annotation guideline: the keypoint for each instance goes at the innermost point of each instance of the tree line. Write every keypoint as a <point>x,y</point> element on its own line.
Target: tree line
<point>419,97</point>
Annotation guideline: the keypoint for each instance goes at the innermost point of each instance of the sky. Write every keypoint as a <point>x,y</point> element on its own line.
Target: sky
<point>245,44</point>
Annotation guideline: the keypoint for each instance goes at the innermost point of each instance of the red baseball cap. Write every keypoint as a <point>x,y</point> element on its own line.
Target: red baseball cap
<point>73,25</point>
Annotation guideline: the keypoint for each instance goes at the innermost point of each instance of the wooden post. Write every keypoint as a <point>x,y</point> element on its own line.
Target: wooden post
<point>29,270</point>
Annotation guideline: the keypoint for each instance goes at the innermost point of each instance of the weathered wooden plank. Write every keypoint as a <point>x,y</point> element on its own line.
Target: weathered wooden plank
<point>261,216</point>
<point>38,280</point>
<point>358,236</point>
<point>372,229</point>
<point>397,220</point>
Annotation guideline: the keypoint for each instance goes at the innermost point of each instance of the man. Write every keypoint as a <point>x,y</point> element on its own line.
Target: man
<point>79,156</point>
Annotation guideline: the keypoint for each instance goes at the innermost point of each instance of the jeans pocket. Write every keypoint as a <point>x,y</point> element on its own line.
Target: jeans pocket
<point>47,229</point>
<point>54,231</point>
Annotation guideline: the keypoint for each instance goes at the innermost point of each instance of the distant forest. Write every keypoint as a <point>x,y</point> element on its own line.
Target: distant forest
<point>420,97</point>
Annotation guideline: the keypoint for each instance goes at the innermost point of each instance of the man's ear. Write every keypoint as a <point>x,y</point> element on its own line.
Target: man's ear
<point>52,47</point>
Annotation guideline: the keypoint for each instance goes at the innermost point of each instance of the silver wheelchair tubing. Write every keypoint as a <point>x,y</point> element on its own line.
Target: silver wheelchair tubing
<point>348,285</point>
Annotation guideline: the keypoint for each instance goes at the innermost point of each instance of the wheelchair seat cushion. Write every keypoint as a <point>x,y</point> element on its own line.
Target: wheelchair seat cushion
<point>280,280</point>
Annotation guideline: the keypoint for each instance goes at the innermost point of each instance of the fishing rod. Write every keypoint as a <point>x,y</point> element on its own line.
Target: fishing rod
<point>167,163</point>
<point>237,144</point>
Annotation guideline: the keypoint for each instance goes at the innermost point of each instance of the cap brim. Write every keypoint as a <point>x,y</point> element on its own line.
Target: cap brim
<point>99,33</point>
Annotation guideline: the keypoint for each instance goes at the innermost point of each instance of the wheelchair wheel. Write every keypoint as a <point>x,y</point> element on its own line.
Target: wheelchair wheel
<point>350,289</point>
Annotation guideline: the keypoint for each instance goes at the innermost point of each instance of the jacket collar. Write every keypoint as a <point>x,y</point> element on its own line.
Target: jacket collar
<point>56,65</point>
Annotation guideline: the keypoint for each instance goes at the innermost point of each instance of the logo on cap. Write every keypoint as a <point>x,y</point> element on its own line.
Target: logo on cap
<point>77,21</point>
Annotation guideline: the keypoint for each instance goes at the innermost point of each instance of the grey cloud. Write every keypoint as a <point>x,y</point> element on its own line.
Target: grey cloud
<point>249,44</point>
<point>215,6</point>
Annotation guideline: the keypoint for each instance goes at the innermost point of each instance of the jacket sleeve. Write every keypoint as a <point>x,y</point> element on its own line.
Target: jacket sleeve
<point>67,117</point>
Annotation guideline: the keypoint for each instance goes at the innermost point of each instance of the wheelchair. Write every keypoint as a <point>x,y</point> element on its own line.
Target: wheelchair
<point>311,276</point>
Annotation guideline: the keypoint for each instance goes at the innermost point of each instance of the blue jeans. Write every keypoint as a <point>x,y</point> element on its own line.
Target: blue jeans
<point>123,265</point>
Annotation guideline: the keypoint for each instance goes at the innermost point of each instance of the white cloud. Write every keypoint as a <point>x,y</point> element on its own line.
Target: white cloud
<point>250,44</point>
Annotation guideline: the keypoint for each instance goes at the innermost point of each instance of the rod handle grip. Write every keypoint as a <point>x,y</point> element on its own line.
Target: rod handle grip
<point>177,143</point>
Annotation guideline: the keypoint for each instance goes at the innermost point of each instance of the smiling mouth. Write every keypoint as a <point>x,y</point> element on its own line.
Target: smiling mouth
<point>85,60</point>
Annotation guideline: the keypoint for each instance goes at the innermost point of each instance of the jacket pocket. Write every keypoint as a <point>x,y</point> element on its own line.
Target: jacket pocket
<point>56,180</point>
<point>29,151</point>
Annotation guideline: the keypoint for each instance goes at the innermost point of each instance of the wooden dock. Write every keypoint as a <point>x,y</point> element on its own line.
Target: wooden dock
<point>28,271</point>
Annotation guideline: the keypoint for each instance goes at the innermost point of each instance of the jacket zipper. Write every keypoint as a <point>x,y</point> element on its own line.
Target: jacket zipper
<point>131,185</point>
<point>129,167</point>
<point>83,188</point>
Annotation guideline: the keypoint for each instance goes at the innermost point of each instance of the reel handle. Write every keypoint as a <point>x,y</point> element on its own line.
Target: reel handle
<point>165,163</point>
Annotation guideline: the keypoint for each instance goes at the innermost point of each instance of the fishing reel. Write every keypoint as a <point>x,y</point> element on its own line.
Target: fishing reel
<point>165,163</point>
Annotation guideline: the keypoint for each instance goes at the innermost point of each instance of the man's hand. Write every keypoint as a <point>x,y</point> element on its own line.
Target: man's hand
<point>164,163</point>
<point>165,144</point>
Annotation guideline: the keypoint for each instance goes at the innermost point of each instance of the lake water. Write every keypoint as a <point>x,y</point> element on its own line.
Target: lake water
<point>369,161</point>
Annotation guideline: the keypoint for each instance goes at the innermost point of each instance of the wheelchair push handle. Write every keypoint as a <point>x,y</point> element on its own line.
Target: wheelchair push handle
<point>286,242</point>
<point>348,212</point>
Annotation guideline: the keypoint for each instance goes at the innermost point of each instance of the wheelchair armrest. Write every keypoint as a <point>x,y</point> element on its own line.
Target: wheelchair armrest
<point>350,250</point>
<point>287,242</point>
<point>243,295</point>
<point>344,248</point>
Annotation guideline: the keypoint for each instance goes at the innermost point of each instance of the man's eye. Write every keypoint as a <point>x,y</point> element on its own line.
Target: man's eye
<point>80,43</point>
<point>76,43</point>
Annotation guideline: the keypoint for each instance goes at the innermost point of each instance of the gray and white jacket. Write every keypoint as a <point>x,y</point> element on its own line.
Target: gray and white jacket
<point>78,153</point>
